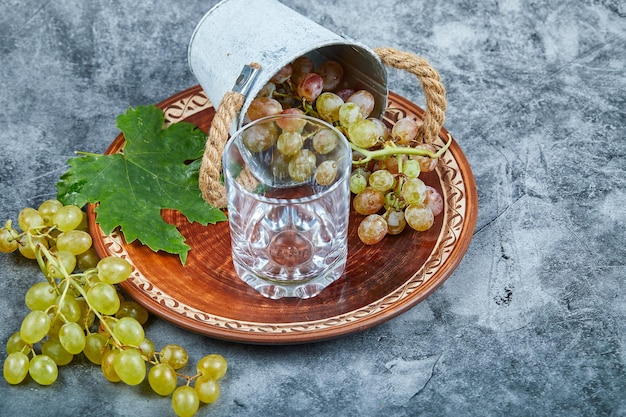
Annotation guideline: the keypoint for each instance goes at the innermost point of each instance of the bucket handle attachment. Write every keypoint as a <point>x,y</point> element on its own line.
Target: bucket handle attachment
<point>211,186</point>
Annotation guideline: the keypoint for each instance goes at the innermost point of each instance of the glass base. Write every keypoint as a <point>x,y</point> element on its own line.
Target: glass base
<point>299,289</point>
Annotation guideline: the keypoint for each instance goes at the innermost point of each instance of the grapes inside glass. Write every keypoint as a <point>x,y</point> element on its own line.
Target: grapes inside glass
<point>287,183</point>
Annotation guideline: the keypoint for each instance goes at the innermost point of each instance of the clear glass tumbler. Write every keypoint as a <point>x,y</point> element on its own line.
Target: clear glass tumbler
<point>287,183</point>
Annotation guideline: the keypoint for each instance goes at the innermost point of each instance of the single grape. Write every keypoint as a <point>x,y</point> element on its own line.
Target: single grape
<point>53,348</point>
<point>363,133</point>
<point>419,217</point>
<point>15,343</point>
<point>383,130</point>
<point>29,218</point>
<point>27,250</point>
<point>365,101</point>
<point>414,191</point>
<point>208,389</point>
<point>326,173</point>
<point>404,131</point>
<point>68,218</point>
<point>103,298</point>
<point>130,366</point>
<point>63,264</point>
<point>106,325</point>
<point>302,165</point>
<point>40,296</point>
<point>70,308</point>
<point>260,137</point>
<point>381,180</point>
<point>395,221</point>
<point>368,201</point>
<point>47,210</point>
<point>34,326</point>
<point>434,201</point>
<point>310,86</point>
<point>95,343</point>
<point>43,370</point>
<point>87,260</point>
<point>55,326</point>
<point>300,67</point>
<point>282,75</point>
<point>427,163</point>
<point>108,365</point>
<point>213,366</point>
<point>146,347</point>
<point>372,229</point>
<point>72,337</point>
<point>289,143</point>
<point>175,355</point>
<point>162,379</point>
<point>325,141</point>
<point>130,308</point>
<point>291,124</point>
<point>392,163</point>
<point>349,113</point>
<point>358,181</point>
<point>411,168</point>
<point>331,73</point>
<point>113,270</point>
<point>328,105</point>
<point>15,367</point>
<point>129,331</point>
<point>8,240</point>
<point>185,401</point>
<point>74,241</point>
<point>262,107</point>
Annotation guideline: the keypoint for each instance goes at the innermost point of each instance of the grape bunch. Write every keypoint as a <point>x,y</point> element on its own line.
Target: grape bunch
<point>78,310</point>
<point>387,159</point>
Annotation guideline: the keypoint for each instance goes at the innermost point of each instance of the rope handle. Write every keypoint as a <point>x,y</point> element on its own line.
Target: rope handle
<point>212,188</point>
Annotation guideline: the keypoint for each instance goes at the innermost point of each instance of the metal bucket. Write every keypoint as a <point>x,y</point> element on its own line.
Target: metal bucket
<point>236,33</point>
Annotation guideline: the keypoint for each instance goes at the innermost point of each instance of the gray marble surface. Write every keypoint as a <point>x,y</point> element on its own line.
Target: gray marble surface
<point>531,323</point>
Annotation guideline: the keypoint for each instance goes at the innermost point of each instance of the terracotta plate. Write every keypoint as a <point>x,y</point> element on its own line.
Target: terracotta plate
<point>379,283</point>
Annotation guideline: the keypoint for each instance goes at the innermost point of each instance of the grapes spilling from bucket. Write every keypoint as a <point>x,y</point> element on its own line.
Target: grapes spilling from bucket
<point>78,310</point>
<point>387,158</point>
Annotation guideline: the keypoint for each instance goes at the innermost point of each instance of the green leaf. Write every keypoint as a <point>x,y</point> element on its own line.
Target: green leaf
<point>157,169</point>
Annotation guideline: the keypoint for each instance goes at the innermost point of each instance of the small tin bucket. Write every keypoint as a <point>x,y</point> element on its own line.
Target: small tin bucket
<point>236,33</point>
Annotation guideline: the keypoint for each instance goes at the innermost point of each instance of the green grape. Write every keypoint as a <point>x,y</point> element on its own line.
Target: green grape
<point>129,331</point>
<point>70,308</point>
<point>40,296</point>
<point>130,366</point>
<point>418,217</point>
<point>302,165</point>
<point>88,259</point>
<point>383,130</point>
<point>289,143</point>
<point>327,106</point>
<point>372,229</point>
<point>87,315</point>
<point>358,181</point>
<point>208,389</point>
<point>325,141</point>
<point>29,218</point>
<point>8,240</point>
<point>213,366</point>
<point>162,379</point>
<point>326,173</point>
<point>107,365</point>
<point>68,218</point>
<point>110,322</point>
<point>175,355</point>
<point>146,347</point>
<point>260,137</point>
<point>15,367</point>
<point>43,370</point>
<point>15,343</point>
<point>55,326</point>
<point>185,401</point>
<point>103,298</point>
<point>25,248</point>
<point>349,113</point>
<point>395,221</point>
<point>95,344</point>
<point>114,270</point>
<point>414,191</point>
<point>363,133</point>
<point>74,241</point>
<point>72,337</point>
<point>404,131</point>
<point>53,348</point>
<point>381,180</point>
<point>64,264</point>
<point>47,210</point>
<point>35,326</point>
<point>368,201</point>
<point>130,308</point>
<point>411,168</point>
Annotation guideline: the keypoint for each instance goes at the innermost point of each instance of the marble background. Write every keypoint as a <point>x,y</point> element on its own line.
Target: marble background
<point>531,323</point>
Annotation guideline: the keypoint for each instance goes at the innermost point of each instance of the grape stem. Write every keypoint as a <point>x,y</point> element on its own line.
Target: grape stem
<point>397,150</point>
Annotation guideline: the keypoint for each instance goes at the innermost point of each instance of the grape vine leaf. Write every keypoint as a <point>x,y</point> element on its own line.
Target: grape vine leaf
<point>157,169</point>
